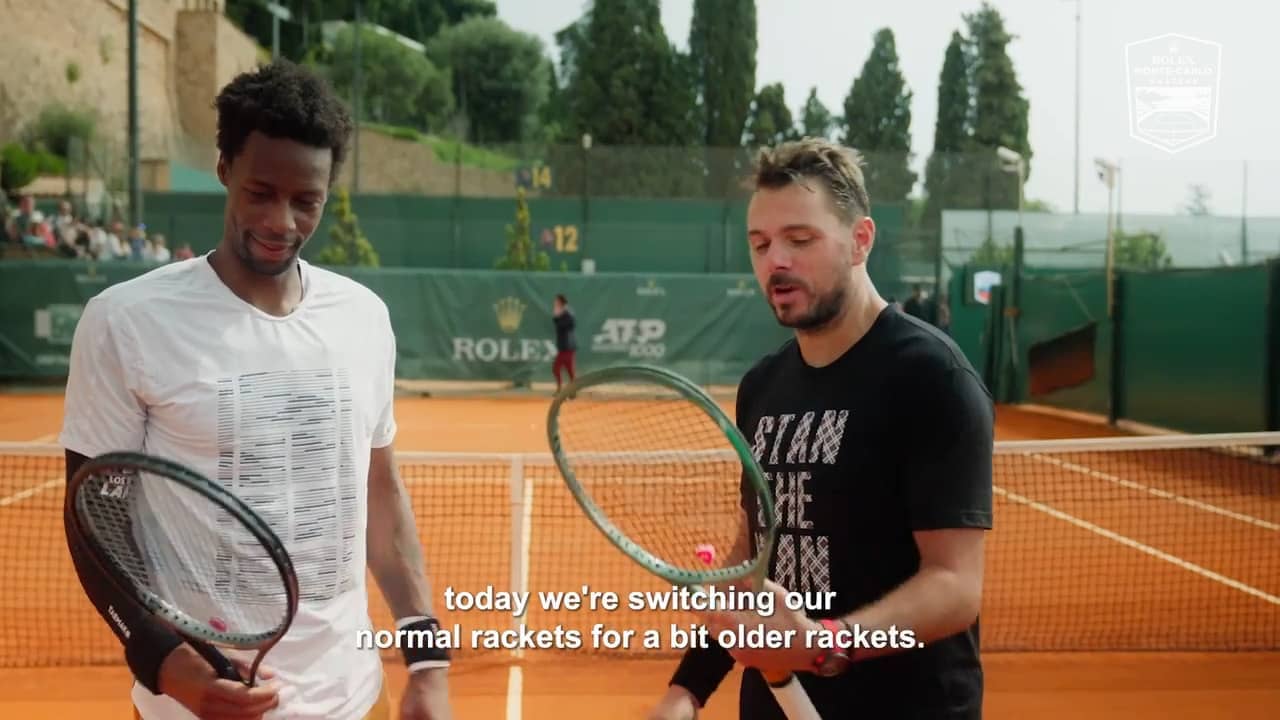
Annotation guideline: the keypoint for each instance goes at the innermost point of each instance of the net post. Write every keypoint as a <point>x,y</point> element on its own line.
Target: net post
<point>521,512</point>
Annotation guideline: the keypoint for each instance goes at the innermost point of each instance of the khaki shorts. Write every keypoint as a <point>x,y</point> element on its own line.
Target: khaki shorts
<point>381,710</point>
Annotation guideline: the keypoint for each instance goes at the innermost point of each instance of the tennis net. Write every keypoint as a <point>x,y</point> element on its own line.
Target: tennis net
<point>1153,543</point>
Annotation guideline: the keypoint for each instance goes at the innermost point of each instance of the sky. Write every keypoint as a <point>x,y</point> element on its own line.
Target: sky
<point>824,43</point>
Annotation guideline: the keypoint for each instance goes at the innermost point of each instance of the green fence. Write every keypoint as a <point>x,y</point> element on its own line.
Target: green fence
<point>619,235</point>
<point>459,325</point>
<point>1189,350</point>
<point>1203,331</point>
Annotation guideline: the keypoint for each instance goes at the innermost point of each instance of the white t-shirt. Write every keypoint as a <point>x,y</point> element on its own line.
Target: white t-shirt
<point>283,411</point>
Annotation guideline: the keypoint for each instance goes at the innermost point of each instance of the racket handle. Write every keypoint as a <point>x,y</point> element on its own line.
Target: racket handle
<point>791,696</point>
<point>220,663</point>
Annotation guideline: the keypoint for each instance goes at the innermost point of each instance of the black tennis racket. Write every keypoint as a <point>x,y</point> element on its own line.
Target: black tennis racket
<point>188,551</point>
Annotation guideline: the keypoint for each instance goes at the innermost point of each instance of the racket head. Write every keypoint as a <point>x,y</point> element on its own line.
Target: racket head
<point>673,387</point>
<point>127,508</point>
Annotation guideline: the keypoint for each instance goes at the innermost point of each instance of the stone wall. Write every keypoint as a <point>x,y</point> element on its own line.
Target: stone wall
<point>392,165</point>
<point>186,50</point>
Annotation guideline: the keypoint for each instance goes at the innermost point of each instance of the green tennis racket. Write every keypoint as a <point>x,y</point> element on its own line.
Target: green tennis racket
<point>664,473</point>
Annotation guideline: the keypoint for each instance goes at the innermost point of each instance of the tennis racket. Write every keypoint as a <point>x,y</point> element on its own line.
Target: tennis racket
<point>663,472</point>
<point>188,551</point>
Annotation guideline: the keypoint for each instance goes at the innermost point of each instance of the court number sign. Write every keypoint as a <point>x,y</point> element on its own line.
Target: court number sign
<point>562,238</point>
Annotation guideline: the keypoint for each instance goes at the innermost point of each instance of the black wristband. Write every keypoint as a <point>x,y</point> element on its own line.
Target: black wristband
<point>146,641</point>
<point>701,671</point>
<point>146,650</point>
<point>417,640</point>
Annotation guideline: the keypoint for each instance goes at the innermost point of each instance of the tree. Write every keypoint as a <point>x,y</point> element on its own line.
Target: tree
<point>500,77</point>
<point>952,135</point>
<point>980,107</point>
<point>424,19</point>
<point>1197,200</point>
<point>770,121</point>
<point>989,253</point>
<point>347,243</point>
<point>954,130</point>
<point>17,168</point>
<point>877,121</point>
<point>815,119</point>
<point>400,86</point>
<point>722,63</point>
<point>625,85</point>
<point>999,109</point>
<point>722,49</point>
<point>521,254</point>
<point>1142,250</point>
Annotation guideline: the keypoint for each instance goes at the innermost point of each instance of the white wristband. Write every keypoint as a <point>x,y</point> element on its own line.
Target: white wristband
<point>410,619</point>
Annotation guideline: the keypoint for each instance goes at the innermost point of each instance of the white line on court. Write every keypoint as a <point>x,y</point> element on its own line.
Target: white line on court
<point>1140,547</point>
<point>29,492</point>
<point>1163,494</point>
<point>45,439</point>
<point>515,692</point>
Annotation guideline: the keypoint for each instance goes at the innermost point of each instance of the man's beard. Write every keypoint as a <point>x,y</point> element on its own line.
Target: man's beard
<point>826,308</point>
<point>264,267</point>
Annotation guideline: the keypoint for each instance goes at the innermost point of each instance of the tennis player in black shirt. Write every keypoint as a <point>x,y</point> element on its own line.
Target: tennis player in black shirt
<point>876,434</point>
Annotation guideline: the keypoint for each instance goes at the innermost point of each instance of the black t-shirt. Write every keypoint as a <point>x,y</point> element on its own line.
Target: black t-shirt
<point>893,437</point>
<point>564,324</point>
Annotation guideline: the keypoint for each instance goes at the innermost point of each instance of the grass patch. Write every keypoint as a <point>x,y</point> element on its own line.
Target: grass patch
<point>447,150</point>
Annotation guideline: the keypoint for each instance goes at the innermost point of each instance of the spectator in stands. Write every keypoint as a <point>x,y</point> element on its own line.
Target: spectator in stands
<point>43,230</point>
<point>944,315</point>
<point>17,227</point>
<point>157,252</point>
<point>65,225</point>
<point>97,240</point>
<point>184,252</point>
<point>566,344</point>
<point>32,234</point>
<point>138,243</point>
<point>917,304</point>
<point>116,249</point>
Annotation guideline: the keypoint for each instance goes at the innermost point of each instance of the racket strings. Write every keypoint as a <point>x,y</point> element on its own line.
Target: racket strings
<point>663,473</point>
<point>188,558</point>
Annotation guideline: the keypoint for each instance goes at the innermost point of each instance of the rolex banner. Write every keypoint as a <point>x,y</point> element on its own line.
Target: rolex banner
<point>459,325</point>
<point>476,325</point>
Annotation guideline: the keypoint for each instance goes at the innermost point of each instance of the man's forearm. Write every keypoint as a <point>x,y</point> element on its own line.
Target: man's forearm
<point>395,553</point>
<point>934,603</point>
<point>146,642</point>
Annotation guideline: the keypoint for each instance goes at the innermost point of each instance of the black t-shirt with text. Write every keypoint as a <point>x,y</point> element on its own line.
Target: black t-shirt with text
<point>893,437</point>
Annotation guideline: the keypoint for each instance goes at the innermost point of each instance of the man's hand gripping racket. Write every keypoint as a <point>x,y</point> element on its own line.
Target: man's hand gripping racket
<point>661,470</point>
<point>186,550</point>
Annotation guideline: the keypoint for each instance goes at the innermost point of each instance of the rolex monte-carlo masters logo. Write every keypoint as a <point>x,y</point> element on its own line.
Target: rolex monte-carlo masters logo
<point>507,344</point>
<point>1173,91</point>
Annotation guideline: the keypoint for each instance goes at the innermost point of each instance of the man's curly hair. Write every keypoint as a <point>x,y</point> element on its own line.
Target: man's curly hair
<point>837,167</point>
<point>283,100</point>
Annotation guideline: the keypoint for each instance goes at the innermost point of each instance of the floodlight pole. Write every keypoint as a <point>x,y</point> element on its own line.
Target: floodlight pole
<point>135,189</point>
<point>278,13</point>
<point>1107,173</point>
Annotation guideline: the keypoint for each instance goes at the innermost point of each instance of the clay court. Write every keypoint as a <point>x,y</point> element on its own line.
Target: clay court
<point>1099,564</point>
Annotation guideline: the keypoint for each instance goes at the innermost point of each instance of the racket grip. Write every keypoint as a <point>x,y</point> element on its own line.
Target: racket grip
<point>220,663</point>
<point>791,696</point>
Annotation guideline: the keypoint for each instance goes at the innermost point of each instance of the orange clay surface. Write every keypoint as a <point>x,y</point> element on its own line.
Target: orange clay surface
<point>90,682</point>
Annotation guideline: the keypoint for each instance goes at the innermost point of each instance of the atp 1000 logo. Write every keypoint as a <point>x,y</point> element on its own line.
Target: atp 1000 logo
<point>637,337</point>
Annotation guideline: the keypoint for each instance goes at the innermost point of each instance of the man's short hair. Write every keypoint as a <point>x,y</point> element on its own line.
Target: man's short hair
<point>562,299</point>
<point>837,167</point>
<point>283,100</point>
